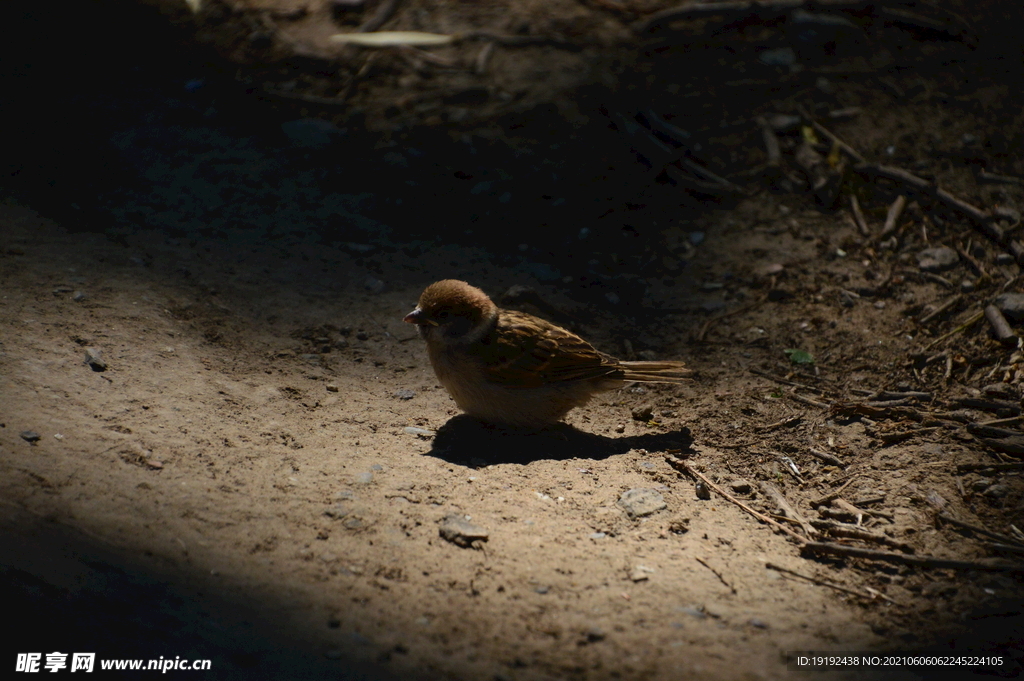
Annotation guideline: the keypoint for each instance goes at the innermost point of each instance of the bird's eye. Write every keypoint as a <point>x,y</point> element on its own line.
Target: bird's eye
<point>442,315</point>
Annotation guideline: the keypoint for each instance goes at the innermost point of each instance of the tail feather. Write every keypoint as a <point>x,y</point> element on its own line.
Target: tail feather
<point>655,372</point>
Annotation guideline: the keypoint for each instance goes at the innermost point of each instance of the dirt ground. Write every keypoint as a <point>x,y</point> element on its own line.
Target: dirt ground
<point>219,440</point>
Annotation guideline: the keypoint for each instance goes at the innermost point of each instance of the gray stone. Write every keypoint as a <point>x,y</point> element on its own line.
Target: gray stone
<point>1005,259</point>
<point>640,501</point>
<point>364,478</point>
<point>937,259</point>
<point>30,436</point>
<point>95,360</point>
<point>338,511</point>
<point>997,491</point>
<point>643,413</point>
<point>459,531</point>
<point>740,486</point>
<point>405,394</point>
<point>1011,305</point>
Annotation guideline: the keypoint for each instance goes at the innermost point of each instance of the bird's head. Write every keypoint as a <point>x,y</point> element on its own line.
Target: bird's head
<point>452,311</point>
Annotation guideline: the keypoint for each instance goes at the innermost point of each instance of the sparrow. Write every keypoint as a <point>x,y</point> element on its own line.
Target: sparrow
<point>514,369</point>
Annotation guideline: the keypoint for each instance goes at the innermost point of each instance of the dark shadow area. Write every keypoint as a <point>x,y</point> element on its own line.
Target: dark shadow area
<point>152,132</point>
<point>466,441</point>
<point>65,593</point>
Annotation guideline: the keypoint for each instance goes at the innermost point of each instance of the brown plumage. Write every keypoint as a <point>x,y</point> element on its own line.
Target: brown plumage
<point>512,368</point>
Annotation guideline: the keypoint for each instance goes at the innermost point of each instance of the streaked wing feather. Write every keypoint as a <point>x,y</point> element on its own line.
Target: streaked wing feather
<point>532,360</point>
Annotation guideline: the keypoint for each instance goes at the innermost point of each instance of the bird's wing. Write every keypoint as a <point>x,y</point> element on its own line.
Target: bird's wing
<point>526,351</point>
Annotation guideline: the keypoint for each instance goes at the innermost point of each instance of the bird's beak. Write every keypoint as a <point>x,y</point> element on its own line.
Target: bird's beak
<point>419,318</point>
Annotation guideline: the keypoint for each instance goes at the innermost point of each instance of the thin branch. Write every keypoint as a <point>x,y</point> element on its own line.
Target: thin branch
<point>826,548</point>
<point>683,466</point>
<point>821,582</point>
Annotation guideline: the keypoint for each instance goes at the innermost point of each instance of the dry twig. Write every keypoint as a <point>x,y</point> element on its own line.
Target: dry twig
<point>893,216</point>
<point>718,574</point>
<point>826,548</point>
<point>681,465</point>
<point>858,215</point>
<point>825,456</point>
<point>787,509</point>
<point>980,530</point>
<point>821,582</point>
<point>1000,327</point>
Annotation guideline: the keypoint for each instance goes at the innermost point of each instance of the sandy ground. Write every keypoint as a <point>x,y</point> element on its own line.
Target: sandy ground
<point>219,440</point>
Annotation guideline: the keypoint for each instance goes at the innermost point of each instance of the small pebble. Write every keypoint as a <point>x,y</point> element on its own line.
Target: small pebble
<point>997,491</point>
<point>1011,305</point>
<point>643,413</point>
<point>760,624</point>
<point>418,432</point>
<point>598,535</point>
<point>702,490</point>
<point>966,286</point>
<point>937,259</point>
<point>640,502</point>
<point>78,296</point>
<point>740,486</point>
<point>405,394</point>
<point>30,436</point>
<point>459,531</point>
<point>620,428</point>
<point>783,123</point>
<point>331,388</point>
<point>363,478</point>
<point>542,589</point>
<point>778,56</point>
<point>94,359</point>
<point>640,573</point>
<point>337,512</point>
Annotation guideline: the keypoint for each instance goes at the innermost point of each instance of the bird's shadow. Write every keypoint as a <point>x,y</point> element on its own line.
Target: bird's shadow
<point>466,441</point>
